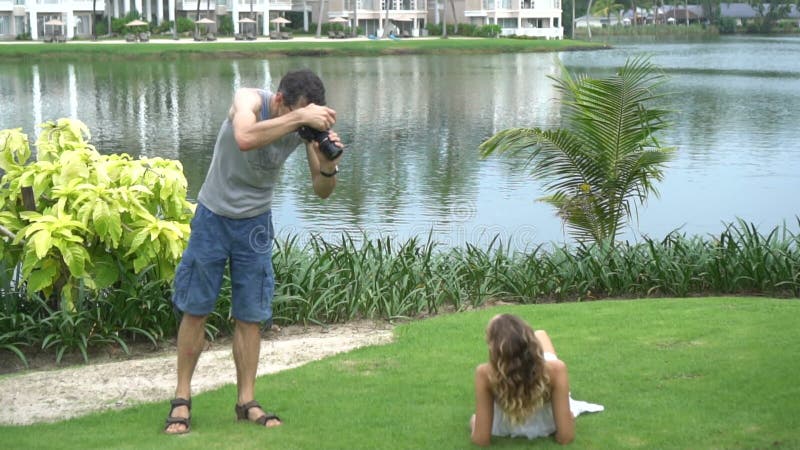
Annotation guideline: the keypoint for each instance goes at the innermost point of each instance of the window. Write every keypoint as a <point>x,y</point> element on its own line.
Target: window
<point>5,24</point>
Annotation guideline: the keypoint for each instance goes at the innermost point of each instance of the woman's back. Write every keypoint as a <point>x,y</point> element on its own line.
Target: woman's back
<point>539,424</point>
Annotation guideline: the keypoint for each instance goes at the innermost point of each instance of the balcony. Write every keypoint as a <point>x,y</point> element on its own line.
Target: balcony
<point>258,5</point>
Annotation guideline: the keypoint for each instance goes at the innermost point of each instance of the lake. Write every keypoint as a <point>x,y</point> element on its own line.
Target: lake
<point>412,125</point>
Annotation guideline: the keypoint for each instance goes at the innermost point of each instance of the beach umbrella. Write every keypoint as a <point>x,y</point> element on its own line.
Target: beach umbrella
<point>136,23</point>
<point>338,20</point>
<point>206,21</point>
<point>53,23</point>
<point>280,20</point>
<point>247,20</point>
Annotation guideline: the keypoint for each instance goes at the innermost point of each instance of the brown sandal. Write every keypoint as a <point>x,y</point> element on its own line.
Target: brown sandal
<point>185,421</point>
<point>242,410</point>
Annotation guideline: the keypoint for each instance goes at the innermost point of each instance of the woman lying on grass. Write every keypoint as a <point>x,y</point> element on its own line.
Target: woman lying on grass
<point>524,389</point>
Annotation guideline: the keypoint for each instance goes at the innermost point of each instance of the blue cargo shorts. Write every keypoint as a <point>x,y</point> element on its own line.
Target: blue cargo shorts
<point>214,242</point>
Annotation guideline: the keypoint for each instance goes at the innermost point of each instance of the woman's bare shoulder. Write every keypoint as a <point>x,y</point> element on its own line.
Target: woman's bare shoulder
<point>556,369</point>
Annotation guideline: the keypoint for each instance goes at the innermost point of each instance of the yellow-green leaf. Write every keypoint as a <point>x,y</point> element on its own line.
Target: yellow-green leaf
<point>39,279</point>
<point>100,217</point>
<point>137,241</point>
<point>42,242</point>
<point>75,258</point>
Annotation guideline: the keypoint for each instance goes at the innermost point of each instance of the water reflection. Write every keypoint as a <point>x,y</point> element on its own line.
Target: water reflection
<point>413,123</point>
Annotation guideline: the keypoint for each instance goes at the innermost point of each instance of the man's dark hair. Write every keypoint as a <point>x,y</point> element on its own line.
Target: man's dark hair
<point>299,84</point>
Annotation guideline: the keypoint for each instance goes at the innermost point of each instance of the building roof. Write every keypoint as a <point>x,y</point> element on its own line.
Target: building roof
<point>746,11</point>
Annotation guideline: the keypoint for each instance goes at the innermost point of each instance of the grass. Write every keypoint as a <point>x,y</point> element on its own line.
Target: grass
<point>170,50</point>
<point>672,373</point>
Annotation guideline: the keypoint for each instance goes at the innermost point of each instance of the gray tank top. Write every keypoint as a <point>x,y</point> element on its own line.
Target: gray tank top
<point>239,184</point>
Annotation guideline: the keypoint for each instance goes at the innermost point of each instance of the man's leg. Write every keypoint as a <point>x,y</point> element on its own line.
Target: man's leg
<point>246,348</point>
<point>191,339</point>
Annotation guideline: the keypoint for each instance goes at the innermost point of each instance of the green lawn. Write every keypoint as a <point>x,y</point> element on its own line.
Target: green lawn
<point>167,49</point>
<point>672,373</point>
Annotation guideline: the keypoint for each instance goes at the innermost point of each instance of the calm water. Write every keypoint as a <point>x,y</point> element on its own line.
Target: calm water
<point>413,124</point>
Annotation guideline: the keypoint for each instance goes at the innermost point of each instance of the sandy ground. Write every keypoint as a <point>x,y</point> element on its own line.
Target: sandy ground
<point>61,393</point>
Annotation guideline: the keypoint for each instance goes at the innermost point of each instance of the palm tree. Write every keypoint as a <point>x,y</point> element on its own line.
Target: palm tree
<point>606,161</point>
<point>455,20</point>
<point>588,19</point>
<point>444,19</point>
<point>606,7</point>
<point>319,22</point>
<point>354,29</point>
<point>386,22</point>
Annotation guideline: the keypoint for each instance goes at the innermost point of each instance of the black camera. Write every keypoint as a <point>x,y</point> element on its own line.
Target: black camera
<point>328,148</point>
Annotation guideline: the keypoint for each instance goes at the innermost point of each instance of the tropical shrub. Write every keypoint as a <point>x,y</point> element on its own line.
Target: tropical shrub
<point>162,28</point>
<point>96,218</point>
<point>101,28</point>
<point>185,25</point>
<point>119,25</point>
<point>607,158</point>
<point>226,25</point>
<point>727,25</point>
<point>488,31</point>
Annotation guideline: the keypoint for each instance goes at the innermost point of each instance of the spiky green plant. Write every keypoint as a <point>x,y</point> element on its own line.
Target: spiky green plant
<point>607,158</point>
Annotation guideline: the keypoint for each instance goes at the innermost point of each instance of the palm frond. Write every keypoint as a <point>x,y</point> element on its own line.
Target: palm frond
<point>607,159</point>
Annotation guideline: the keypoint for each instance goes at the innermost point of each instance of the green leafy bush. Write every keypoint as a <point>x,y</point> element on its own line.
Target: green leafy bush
<point>226,25</point>
<point>727,25</point>
<point>185,25</point>
<point>96,217</point>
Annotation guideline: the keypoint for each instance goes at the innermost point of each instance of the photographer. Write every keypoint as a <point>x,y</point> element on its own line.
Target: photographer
<point>233,224</point>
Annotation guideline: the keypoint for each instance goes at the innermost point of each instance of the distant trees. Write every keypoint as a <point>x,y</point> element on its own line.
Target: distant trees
<point>770,12</point>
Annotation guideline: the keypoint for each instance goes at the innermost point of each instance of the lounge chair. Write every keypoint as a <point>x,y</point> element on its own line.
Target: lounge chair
<point>144,37</point>
<point>340,35</point>
<point>250,36</point>
<point>61,39</point>
<point>405,34</point>
<point>274,35</point>
<point>48,38</point>
<point>130,37</point>
<point>211,36</point>
<point>238,37</point>
<point>286,35</point>
<point>199,37</point>
<point>331,34</point>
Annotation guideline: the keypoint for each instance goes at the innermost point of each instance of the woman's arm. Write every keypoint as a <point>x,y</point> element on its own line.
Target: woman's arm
<point>544,341</point>
<point>559,397</point>
<point>484,408</point>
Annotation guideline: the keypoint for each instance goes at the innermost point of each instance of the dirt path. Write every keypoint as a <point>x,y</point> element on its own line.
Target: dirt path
<point>52,395</point>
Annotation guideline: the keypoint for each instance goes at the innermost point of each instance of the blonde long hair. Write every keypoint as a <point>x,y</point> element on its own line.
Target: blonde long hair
<point>518,378</point>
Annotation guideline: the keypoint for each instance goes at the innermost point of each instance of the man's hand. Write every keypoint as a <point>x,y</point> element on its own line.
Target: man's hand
<point>316,116</point>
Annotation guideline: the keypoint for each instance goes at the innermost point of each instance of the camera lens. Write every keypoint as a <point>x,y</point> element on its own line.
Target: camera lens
<point>328,148</point>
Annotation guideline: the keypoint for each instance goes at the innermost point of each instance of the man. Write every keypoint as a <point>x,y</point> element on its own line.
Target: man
<point>233,224</point>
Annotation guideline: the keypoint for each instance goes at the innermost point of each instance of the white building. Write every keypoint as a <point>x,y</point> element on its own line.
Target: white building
<point>537,18</point>
<point>533,18</point>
